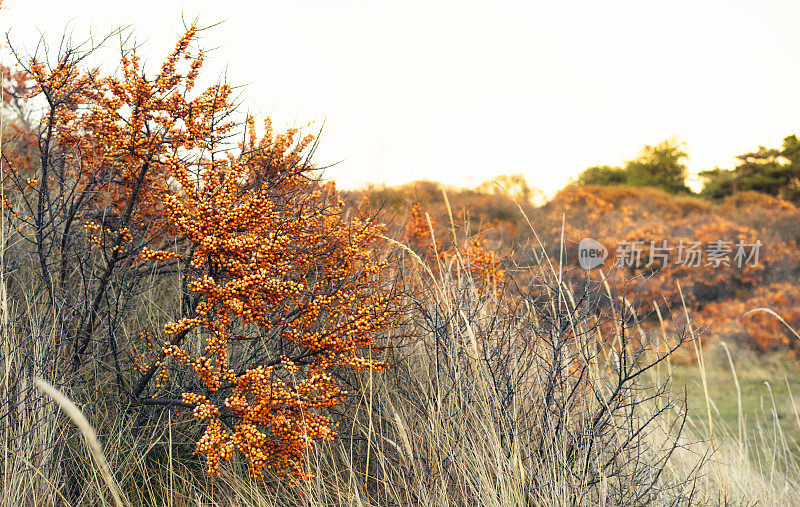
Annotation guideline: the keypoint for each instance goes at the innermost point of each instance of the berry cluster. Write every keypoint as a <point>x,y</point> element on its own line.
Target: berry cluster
<point>277,257</point>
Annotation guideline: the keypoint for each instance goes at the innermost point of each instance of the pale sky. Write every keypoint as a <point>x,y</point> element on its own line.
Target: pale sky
<point>459,92</point>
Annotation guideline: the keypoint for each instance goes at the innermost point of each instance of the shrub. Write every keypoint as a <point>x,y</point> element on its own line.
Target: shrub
<point>291,282</point>
<point>281,286</point>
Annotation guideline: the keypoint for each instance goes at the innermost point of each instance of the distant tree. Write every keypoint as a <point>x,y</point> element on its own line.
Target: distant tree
<point>659,166</point>
<point>604,175</point>
<point>768,170</point>
<point>514,185</point>
<point>717,183</point>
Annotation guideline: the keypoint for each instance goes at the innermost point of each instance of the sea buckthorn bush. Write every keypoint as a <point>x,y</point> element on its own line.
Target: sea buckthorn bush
<point>87,194</point>
<point>279,267</point>
<point>745,321</point>
<point>132,182</point>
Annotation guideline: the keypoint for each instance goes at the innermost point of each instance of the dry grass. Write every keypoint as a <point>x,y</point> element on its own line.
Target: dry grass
<point>412,456</point>
<point>421,433</point>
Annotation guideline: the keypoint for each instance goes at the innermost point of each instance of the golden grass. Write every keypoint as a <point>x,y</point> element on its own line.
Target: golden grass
<point>409,441</point>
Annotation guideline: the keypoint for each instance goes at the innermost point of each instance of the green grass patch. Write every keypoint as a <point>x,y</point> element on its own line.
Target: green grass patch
<point>769,385</point>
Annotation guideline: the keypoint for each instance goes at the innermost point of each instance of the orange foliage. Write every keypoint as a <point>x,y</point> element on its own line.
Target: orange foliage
<point>421,235</point>
<point>730,319</point>
<point>484,265</point>
<point>628,219</point>
<point>276,255</point>
<point>718,291</point>
<point>272,258</point>
<point>419,231</point>
<point>120,138</point>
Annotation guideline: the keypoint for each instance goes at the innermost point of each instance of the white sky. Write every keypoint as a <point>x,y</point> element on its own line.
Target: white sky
<point>460,92</point>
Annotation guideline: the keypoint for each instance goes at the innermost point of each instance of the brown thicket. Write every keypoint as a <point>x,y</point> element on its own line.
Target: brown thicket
<point>617,217</point>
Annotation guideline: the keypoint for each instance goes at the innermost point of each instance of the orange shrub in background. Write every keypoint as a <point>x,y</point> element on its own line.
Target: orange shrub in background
<point>613,215</point>
<point>420,232</point>
<point>735,319</point>
<point>717,293</point>
<point>424,236</point>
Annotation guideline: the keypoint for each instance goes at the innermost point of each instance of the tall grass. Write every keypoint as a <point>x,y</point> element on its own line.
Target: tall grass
<point>464,417</point>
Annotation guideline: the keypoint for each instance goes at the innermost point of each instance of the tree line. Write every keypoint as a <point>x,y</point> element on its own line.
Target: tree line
<point>772,171</point>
